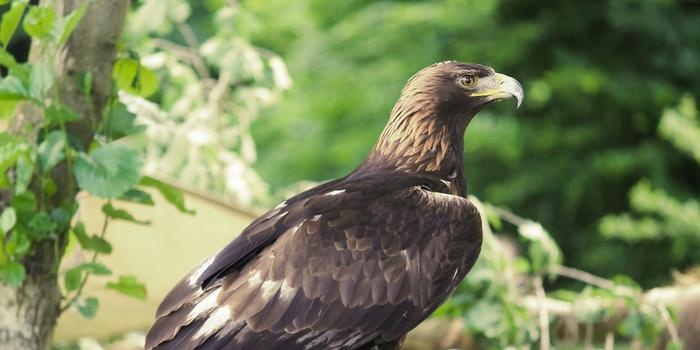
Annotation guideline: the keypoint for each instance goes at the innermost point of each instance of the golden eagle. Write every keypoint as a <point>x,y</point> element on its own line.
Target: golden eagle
<point>357,262</point>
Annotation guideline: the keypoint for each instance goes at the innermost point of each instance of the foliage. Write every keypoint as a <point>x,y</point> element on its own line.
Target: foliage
<point>504,303</point>
<point>657,213</point>
<point>199,127</point>
<point>597,75</point>
<point>34,165</point>
<point>196,130</point>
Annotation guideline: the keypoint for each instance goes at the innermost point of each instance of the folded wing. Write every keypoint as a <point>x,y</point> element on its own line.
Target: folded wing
<point>344,265</point>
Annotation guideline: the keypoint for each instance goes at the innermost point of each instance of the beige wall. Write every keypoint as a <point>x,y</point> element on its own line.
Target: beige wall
<point>159,255</point>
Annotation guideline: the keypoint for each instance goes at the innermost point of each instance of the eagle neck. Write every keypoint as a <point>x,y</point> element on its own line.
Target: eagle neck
<point>419,140</point>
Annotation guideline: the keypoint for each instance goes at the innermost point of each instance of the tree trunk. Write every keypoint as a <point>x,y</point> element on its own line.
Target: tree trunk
<point>28,314</point>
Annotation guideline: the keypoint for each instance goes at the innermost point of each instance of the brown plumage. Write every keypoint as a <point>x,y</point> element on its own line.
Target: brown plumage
<point>357,262</point>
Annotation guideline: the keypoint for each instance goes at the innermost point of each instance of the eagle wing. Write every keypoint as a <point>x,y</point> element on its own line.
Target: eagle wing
<point>344,265</point>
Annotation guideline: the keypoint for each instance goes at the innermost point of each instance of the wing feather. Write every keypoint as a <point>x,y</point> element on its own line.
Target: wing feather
<point>357,262</point>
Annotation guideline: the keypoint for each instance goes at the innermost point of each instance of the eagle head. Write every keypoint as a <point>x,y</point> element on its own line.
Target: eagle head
<point>426,128</point>
<point>455,89</point>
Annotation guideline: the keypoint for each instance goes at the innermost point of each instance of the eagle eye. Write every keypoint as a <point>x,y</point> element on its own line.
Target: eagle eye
<point>468,81</point>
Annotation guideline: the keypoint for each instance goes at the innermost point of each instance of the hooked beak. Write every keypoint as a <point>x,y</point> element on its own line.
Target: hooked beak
<point>499,87</point>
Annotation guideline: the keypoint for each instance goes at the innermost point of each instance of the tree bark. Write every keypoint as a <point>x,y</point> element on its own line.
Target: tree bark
<point>28,314</point>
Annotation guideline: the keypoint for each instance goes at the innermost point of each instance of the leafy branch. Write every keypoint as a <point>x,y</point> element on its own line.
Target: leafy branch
<point>513,287</point>
<point>78,144</point>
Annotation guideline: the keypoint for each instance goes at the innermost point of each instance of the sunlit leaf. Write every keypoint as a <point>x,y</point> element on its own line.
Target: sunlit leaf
<point>8,218</point>
<point>146,82</point>
<point>134,78</point>
<point>39,21</point>
<point>124,72</point>
<point>130,286</point>
<point>7,59</point>
<point>10,21</point>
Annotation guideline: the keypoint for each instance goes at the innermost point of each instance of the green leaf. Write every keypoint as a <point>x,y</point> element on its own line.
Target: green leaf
<point>48,187</point>
<point>88,306</point>
<point>173,195</point>
<point>40,80</point>
<point>22,72</point>
<point>124,72</point>
<point>7,108</point>
<point>137,196</point>
<point>6,59</point>
<point>12,88</point>
<point>72,279</point>
<point>12,273</point>
<point>94,243</point>
<point>70,22</point>
<point>62,217</point>
<point>121,214</point>
<point>109,171</point>
<point>24,169</point>
<point>17,244</point>
<point>8,218</point>
<point>39,21</point>
<point>51,150</point>
<point>85,83</point>
<point>130,286</point>
<point>24,202</point>
<point>41,226</point>
<point>11,147</point>
<point>119,122</point>
<point>100,245</point>
<point>10,21</point>
<point>75,275</point>
<point>58,114</point>
<point>95,269</point>
<point>146,82</point>
<point>134,78</point>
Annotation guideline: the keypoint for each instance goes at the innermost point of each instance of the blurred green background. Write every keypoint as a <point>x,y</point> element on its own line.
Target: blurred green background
<point>598,76</point>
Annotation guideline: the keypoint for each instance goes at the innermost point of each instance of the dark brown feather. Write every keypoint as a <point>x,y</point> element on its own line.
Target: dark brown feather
<point>351,264</point>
